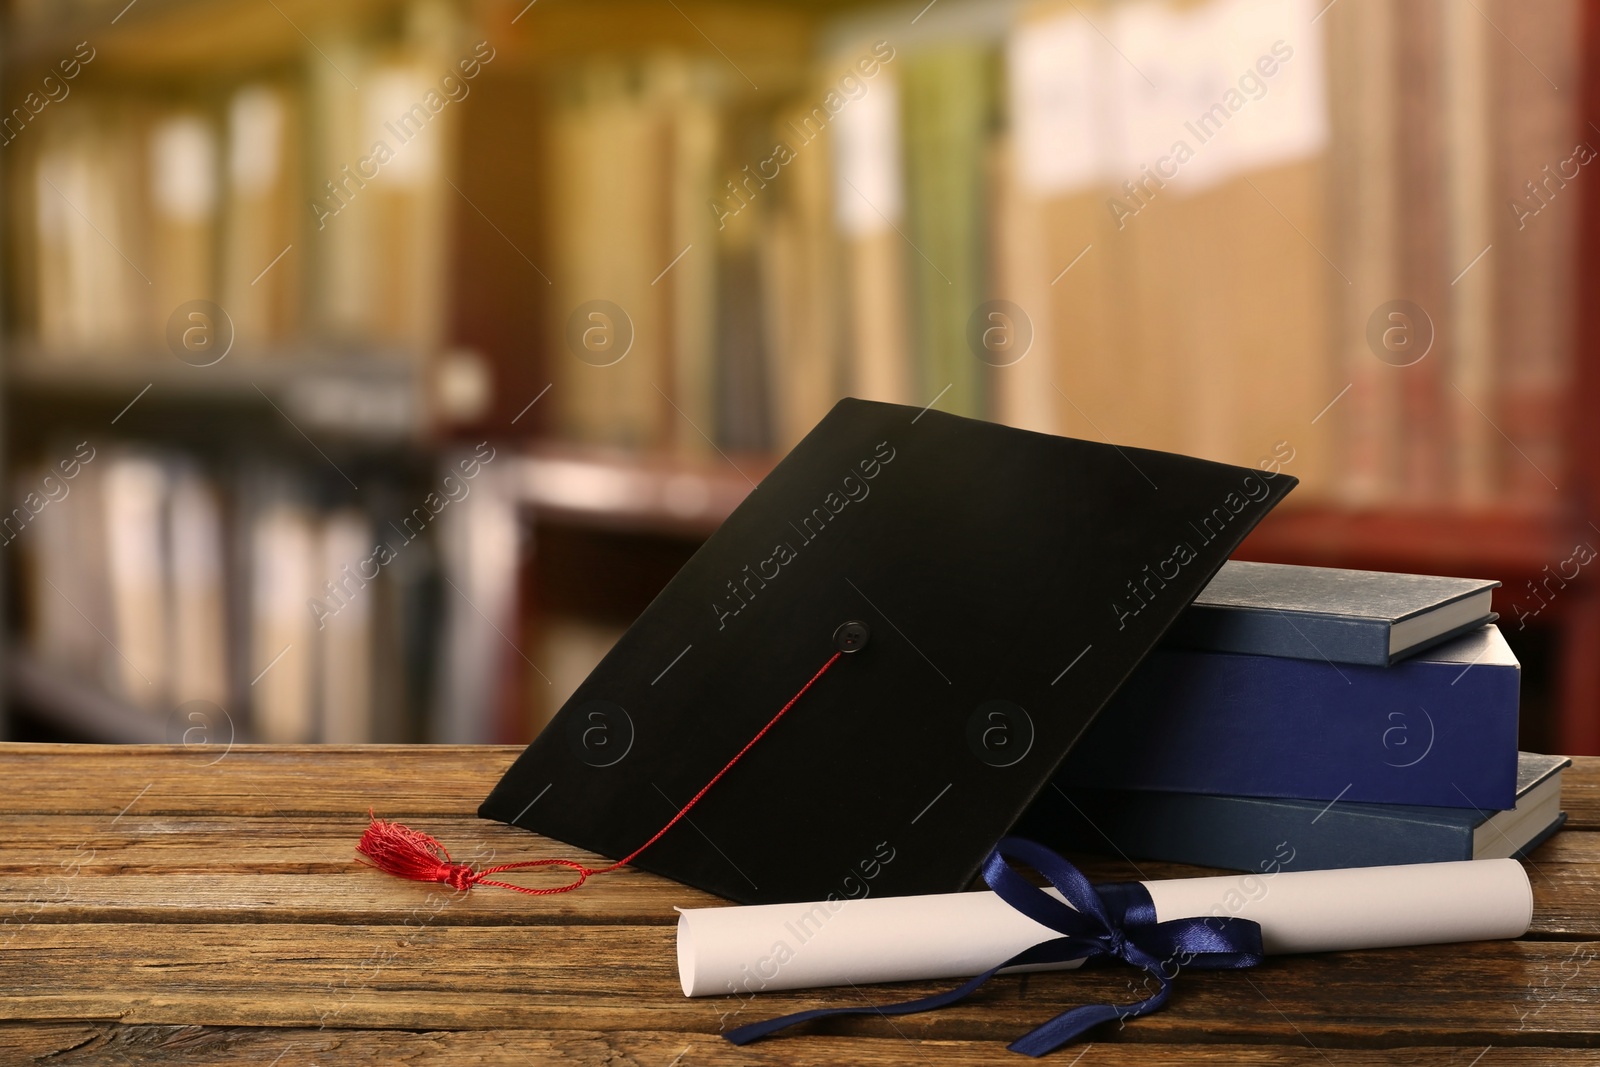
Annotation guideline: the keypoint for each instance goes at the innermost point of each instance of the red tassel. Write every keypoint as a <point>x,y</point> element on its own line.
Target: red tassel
<point>413,854</point>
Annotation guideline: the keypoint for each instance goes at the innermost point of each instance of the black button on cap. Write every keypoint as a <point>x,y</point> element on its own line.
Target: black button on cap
<point>851,636</point>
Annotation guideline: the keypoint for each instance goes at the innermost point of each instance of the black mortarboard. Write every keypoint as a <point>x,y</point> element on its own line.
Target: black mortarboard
<point>1009,581</point>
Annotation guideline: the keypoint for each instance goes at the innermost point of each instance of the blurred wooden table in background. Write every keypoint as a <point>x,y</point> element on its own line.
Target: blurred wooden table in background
<point>172,905</point>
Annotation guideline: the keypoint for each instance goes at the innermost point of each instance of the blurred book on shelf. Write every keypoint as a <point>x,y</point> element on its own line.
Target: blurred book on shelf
<point>1333,240</point>
<point>1199,240</point>
<point>1195,258</point>
<point>282,584</point>
<point>265,145</point>
<point>302,208</point>
<point>165,584</point>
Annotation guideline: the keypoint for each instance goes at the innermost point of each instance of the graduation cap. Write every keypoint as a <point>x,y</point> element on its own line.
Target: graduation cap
<point>938,605</point>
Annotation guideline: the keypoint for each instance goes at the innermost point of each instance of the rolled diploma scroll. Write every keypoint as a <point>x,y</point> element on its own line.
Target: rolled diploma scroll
<point>956,935</point>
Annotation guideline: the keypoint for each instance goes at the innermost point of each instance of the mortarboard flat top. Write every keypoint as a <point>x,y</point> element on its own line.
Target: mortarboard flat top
<point>1009,581</point>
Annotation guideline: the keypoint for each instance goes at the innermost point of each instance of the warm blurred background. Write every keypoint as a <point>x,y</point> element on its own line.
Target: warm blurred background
<point>369,365</point>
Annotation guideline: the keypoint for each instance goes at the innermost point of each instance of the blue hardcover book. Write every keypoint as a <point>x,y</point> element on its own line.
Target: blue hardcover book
<point>1251,833</point>
<point>1438,729</point>
<point>1330,614</point>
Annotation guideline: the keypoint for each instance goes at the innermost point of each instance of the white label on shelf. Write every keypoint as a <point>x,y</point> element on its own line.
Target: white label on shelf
<point>183,163</point>
<point>869,188</point>
<point>399,116</point>
<point>1290,121</point>
<point>255,139</point>
<point>1059,103</point>
<point>1238,84</point>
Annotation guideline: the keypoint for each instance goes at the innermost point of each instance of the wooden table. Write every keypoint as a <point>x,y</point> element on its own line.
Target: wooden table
<point>202,905</point>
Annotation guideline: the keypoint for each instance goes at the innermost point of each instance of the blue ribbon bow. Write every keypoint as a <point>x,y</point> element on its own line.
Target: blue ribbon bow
<point>1113,921</point>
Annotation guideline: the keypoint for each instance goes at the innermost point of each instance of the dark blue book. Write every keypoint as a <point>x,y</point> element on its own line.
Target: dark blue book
<point>1327,613</point>
<point>1253,834</point>
<point>1438,729</point>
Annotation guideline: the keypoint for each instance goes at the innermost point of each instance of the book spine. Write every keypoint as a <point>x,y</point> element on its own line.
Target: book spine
<point>1472,209</point>
<point>799,269</point>
<point>948,99</point>
<point>1362,92</point>
<point>1230,832</point>
<point>689,127</point>
<point>868,200</point>
<point>1423,244</point>
<point>1019,381</point>
<point>609,239</point>
<point>1536,135</point>
<point>1334,638</point>
<point>1219,723</point>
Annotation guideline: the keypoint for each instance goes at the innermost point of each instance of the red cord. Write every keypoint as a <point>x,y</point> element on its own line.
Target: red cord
<point>413,854</point>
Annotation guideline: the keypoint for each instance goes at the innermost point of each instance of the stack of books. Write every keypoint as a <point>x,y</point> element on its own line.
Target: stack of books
<point>1312,717</point>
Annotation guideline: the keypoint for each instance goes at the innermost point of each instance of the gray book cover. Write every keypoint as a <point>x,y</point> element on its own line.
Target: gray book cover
<point>1252,833</point>
<point>1373,618</point>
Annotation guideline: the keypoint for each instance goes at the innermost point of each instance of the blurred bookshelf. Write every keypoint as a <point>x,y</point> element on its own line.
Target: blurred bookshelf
<point>762,209</point>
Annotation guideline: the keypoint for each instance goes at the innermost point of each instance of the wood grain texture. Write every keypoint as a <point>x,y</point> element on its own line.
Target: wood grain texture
<point>556,978</point>
<point>1580,793</point>
<point>75,1044</point>
<point>79,868</point>
<point>400,781</point>
<point>159,905</point>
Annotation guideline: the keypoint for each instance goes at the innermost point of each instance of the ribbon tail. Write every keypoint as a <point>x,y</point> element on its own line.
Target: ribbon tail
<point>744,1035</point>
<point>1064,1029</point>
<point>1071,1025</point>
<point>1056,950</point>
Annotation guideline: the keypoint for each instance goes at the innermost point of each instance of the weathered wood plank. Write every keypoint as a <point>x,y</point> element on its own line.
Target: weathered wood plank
<point>402,781</point>
<point>1565,875</point>
<point>243,844</point>
<point>272,870</point>
<point>74,1044</point>
<point>1580,793</point>
<point>82,868</point>
<point>172,898</point>
<point>538,977</point>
